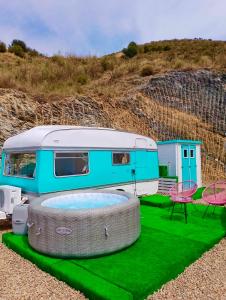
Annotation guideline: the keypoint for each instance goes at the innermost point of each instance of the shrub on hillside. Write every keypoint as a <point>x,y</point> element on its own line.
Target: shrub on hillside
<point>58,59</point>
<point>147,71</point>
<point>19,43</point>
<point>2,47</point>
<point>33,52</point>
<point>156,48</point>
<point>82,79</point>
<point>166,48</point>
<point>132,67</point>
<point>131,50</point>
<point>107,64</point>
<point>146,48</point>
<point>17,50</point>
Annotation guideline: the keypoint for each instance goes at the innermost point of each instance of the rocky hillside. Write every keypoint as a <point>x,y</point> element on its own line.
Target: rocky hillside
<point>201,93</point>
<point>20,111</point>
<point>179,103</point>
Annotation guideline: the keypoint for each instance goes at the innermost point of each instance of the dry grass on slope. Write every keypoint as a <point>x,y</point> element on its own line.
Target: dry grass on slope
<point>136,113</point>
<point>69,75</point>
<point>168,123</point>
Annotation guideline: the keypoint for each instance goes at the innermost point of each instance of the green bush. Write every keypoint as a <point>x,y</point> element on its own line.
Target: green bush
<point>33,52</point>
<point>147,71</point>
<point>156,48</point>
<point>166,48</point>
<point>131,50</point>
<point>82,79</point>
<point>19,43</point>
<point>17,50</point>
<point>2,47</point>
<point>146,49</point>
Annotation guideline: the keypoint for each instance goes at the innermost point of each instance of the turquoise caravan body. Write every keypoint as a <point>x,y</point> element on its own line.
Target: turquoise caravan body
<point>49,159</point>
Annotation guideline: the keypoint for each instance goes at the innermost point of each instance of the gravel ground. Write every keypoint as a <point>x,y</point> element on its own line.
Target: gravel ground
<point>205,279</point>
<point>22,280</point>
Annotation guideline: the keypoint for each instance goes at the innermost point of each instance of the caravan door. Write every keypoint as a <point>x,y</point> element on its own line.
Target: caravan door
<point>140,156</point>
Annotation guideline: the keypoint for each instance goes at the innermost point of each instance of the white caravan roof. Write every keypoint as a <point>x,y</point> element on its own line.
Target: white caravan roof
<point>71,137</point>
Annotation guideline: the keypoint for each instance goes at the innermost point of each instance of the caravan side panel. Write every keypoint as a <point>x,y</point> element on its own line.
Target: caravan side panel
<point>102,173</point>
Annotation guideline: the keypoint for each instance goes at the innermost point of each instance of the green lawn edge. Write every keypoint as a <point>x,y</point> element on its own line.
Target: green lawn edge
<point>162,201</point>
<point>91,285</point>
<point>156,200</point>
<point>188,241</point>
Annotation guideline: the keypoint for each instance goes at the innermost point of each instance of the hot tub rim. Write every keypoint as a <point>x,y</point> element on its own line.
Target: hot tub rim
<point>36,204</point>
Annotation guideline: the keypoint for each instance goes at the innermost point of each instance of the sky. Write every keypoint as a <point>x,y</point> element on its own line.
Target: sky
<point>98,27</point>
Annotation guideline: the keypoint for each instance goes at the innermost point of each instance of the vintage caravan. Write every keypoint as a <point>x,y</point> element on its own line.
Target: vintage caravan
<point>49,159</point>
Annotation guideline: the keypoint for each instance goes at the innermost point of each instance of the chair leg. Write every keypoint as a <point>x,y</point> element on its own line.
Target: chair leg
<point>213,209</point>
<point>169,208</point>
<point>185,212</point>
<point>205,212</point>
<point>172,211</point>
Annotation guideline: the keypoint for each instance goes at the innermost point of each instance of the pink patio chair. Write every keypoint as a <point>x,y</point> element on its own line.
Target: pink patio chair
<point>181,193</point>
<point>215,195</point>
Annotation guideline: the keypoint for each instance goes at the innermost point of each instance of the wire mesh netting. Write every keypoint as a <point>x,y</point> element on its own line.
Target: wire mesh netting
<point>192,105</point>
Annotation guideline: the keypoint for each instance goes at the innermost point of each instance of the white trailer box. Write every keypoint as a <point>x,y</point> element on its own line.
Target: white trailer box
<point>182,158</point>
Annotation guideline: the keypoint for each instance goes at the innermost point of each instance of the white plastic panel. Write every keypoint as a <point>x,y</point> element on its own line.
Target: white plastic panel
<point>167,157</point>
<point>198,163</point>
<point>77,137</point>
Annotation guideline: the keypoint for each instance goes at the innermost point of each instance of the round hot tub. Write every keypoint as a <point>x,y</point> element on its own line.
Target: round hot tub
<point>82,224</point>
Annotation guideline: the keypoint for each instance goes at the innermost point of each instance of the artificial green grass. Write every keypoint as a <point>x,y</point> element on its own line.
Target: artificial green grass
<point>162,252</point>
<point>93,286</point>
<point>198,194</point>
<point>156,200</point>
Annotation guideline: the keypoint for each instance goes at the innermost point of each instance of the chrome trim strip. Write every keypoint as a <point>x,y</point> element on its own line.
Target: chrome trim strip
<point>18,150</point>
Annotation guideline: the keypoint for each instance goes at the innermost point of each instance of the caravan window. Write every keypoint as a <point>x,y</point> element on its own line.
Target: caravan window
<point>69,164</point>
<point>20,164</point>
<point>122,158</point>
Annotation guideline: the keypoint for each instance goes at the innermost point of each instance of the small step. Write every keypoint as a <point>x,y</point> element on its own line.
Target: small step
<point>167,179</point>
<point>165,185</point>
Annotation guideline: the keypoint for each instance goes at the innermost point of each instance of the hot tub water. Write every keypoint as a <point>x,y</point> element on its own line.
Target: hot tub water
<point>84,201</point>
